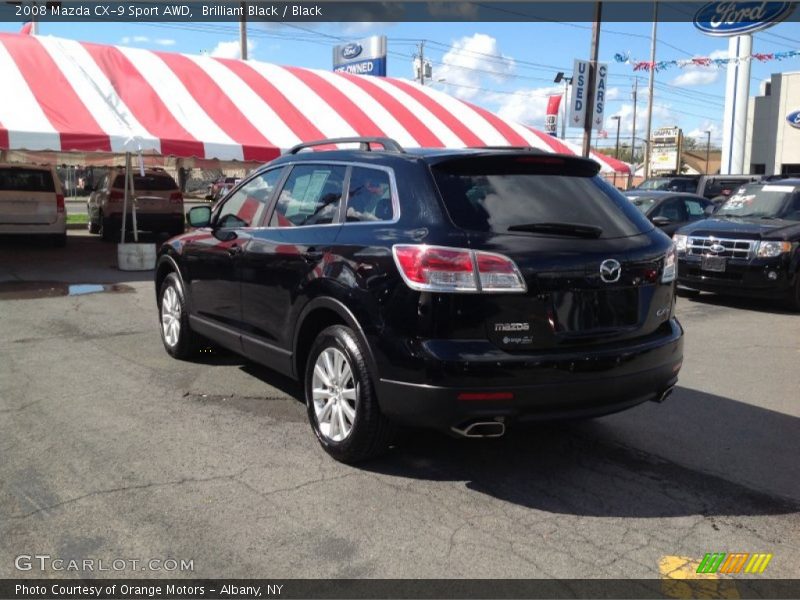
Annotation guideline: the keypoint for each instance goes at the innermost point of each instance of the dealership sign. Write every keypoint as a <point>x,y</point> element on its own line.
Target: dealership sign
<point>737,18</point>
<point>794,119</point>
<point>362,57</point>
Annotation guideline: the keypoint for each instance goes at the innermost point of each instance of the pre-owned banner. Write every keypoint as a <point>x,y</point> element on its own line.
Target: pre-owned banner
<point>551,118</point>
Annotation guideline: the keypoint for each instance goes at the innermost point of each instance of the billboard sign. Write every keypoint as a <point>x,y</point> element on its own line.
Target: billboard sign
<point>666,154</point>
<point>551,118</point>
<point>362,57</point>
<point>580,91</point>
<point>725,19</point>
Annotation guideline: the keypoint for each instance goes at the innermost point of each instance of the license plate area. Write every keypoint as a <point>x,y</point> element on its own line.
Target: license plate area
<point>588,310</point>
<point>715,264</point>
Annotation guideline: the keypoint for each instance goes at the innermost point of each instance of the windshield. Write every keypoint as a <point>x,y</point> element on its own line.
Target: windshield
<point>653,184</point>
<point>527,202</point>
<point>643,203</point>
<point>763,201</point>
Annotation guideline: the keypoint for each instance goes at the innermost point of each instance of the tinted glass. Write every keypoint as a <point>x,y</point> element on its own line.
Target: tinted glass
<point>653,184</point>
<point>370,196</point>
<point>311,196</point>
<point>246,206</point>
<point>673,209</point>
<point>160,182</point>
<point>489,202</point>
<point>643,203</point>
<point>760,200</point>
<point>26,180</point>
<point>695,208</point>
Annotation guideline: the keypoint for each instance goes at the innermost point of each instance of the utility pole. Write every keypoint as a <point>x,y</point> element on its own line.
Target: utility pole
<point>567,82</point>
<point>633,131</point>
<point>708,147</point>
<point>587,123</point>
<point>243,33</point>
<point>649,141</point>
<point>421,51</point>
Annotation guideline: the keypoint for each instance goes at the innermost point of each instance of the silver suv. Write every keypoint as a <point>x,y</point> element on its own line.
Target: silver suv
<point>159,204</point>
<point>32,202</point>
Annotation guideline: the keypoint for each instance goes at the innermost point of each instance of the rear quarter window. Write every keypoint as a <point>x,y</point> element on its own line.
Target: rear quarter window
<point>492,200</point>
<point>26,180</point>
<point>153,183</point>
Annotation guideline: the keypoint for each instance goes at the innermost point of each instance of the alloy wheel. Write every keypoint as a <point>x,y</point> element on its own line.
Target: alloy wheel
<point>333,392</point>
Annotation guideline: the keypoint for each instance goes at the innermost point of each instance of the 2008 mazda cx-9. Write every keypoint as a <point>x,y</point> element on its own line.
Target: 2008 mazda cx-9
<point>455,289</point>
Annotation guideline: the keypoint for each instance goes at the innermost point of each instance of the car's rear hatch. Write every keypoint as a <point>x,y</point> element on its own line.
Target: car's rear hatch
<point>591,262</point>
<point>155,193</point>
<point>27,196</point>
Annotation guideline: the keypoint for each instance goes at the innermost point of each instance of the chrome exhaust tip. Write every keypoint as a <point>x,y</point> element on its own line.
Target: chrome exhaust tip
<point>665,394</point>
<point>481,429</point>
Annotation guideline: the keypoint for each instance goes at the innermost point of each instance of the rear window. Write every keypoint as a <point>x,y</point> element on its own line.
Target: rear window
<point>516,195</point>
<point>26,180</point>
<point>154,183</point>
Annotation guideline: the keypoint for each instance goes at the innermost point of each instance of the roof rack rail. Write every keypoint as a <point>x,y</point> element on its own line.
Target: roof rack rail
<point>527,148</point>
<point>364,143</point>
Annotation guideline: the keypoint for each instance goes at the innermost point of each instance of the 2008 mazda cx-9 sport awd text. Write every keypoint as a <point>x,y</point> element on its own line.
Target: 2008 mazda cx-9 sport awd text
<point>460,290</point>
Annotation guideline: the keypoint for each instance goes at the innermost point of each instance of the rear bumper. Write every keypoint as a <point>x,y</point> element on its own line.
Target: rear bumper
<point>540,387</point>
<point>741,277</point>
<point>150,221</point>
<point>58,227</point>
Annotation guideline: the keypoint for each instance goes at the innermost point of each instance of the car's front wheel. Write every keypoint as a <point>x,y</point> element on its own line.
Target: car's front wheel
<point>341,401</point>
<point>176,334</point>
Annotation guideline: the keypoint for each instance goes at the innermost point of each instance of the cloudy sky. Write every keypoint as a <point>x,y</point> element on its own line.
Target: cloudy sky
<point>506,67</point>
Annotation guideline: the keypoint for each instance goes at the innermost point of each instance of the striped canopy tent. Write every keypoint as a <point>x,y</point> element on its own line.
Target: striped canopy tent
<point>61,95</point>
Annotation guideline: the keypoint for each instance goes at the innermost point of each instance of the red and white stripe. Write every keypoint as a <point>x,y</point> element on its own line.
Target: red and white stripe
<point>62,95</point>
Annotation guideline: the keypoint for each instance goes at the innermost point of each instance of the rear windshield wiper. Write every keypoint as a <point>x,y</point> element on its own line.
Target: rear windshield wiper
<point>572,229</point>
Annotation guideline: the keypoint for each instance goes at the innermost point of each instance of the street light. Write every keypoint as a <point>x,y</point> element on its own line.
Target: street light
<point>567,82</point>
<point>616,152</point>
<point>708,147</point>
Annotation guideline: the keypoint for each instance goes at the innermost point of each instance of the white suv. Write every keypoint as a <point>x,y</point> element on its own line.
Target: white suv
<point>32,202</point>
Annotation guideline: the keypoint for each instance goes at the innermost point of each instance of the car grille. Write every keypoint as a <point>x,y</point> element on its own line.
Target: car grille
<point>698,246</point>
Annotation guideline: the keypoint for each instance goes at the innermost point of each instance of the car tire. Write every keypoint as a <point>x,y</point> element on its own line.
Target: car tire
<point>176,334</point>
<point>94,226</point>
<point>106,230</point>
<point>343,407</point>
<point>794,300</point>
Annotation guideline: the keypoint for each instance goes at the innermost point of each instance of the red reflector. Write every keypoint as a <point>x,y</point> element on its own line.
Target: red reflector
<point>59,203</point>
<point>176,197</point>
<point>486,396</point>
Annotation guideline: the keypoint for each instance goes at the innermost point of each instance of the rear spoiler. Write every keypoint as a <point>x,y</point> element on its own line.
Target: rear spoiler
<point>516,163</point>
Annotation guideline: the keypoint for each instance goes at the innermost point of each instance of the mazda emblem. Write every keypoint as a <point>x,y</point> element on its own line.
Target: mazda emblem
<point>610,270</point>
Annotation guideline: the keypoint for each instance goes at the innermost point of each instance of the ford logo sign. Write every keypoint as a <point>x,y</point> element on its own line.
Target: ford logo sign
<point>794,119</point>
<point>351,51</point>
<point>736,18</point>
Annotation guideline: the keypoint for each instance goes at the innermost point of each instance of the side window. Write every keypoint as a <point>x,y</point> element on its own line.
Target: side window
<point>370,196</point>
<point>695,208</point>
<point>672,209</point>
<point>246,207</point>
<point>311,196</point>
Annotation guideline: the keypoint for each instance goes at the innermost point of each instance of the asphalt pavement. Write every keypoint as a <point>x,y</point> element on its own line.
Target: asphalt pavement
<point>111,449</point>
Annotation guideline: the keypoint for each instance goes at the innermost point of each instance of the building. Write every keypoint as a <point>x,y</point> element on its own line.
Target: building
<point>694,162</point>
<point>773,145</point>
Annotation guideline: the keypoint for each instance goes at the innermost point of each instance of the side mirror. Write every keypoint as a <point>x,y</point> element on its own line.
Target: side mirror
<point>199,216</point>
<point>709,210</point>
<point>661,221</point>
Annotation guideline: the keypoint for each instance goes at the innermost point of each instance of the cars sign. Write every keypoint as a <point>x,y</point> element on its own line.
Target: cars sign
<point>351,51</point>
<point>736,18</point>
<point>794,119</point>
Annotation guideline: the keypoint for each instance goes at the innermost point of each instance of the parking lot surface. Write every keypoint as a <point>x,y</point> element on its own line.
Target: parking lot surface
<point>111,449</point>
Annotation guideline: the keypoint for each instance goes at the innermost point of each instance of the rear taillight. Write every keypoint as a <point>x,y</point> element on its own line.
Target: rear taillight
<point>116,196</point>
<point>59,203</point>
<point>439,269</point>
<point>176,198</point>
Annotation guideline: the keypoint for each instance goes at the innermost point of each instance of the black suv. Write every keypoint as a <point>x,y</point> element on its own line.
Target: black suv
<point>453,289</point>
<point>749,247</point>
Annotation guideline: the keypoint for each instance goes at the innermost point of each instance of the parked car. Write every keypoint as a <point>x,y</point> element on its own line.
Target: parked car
<point>460,290</point>
<point>32,202</point>
<point>670,211</point>
<point>718,188</point>
<point>749,247</point>
<point>159,204</point>
<point>220,187</point>
<point>676,183</point>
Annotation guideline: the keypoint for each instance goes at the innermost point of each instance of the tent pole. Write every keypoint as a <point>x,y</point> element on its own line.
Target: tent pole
<point>125,198</point>
<point>133,206</point>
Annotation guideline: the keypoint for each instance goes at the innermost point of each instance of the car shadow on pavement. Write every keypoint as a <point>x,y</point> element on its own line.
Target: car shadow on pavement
<point>711,456</point>
<point>764,305</point>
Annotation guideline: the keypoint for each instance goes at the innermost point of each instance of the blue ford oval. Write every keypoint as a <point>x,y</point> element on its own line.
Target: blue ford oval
<point>736,18</point>
<point>351,50</point>
<point>794,119</point>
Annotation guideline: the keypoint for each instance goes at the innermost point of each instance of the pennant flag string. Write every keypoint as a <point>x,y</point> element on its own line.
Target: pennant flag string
<point>702,61</point>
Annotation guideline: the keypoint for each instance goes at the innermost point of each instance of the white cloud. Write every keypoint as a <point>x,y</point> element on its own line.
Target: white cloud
<point>469,61</point>
<point>699,133</point>
<point>143,39</point>
<point>165,42</point>
<point>696,76</point>
<point>527,106</point>
<point>231,49</point>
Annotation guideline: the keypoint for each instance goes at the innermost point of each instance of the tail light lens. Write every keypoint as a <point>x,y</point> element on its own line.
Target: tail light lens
<point>439,269</point>
<point>60,203</point>
<point>116,196</point>
<point>176,198</point>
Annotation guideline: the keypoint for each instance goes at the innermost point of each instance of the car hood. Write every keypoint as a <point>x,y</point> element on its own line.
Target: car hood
<point>744,228</point>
